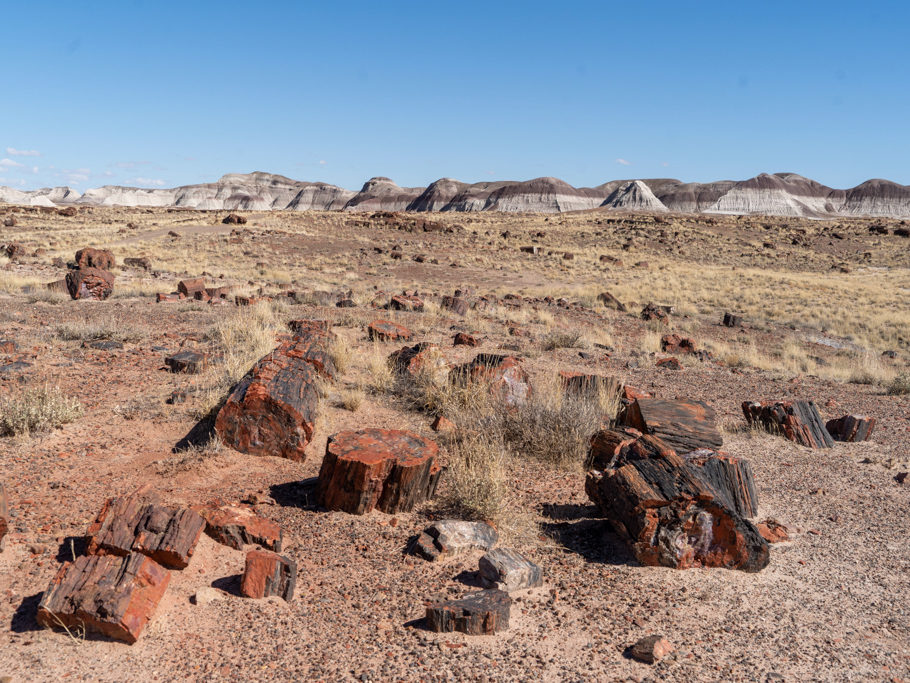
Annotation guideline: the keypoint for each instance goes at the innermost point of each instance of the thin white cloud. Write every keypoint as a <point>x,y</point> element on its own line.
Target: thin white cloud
<point>623,162</point>
<point>322,162</point>
<point>9,163</point>
<point>147,181</point>
<point>34,169</point>
<point>13,152</point>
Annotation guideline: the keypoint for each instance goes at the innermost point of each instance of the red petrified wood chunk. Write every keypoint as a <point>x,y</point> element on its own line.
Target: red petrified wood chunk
<point>95,258</point>
<point>272,410</point>
<point>89,283</point>
<point>267,574</point>
<point>683,425</point>
<point>798,421</point>
<point>168,298</point>
<point>107,594</point>
<point>423,359</point>
<point>404,302</point>
<point>456,304</point>
<point>505,376</point>
<point>464,339</point>
<point>729,476</point>
<point>482,613</point>
<point>139,523</point>
<point>384,330</point>
<point>386,469</point>
<point>313,347</point>
<point>851,428</point>
<point>189,287</point>
<point>305,325</point>
<point>773,531</point>
<point>237,525</point>
<point>673,343</point>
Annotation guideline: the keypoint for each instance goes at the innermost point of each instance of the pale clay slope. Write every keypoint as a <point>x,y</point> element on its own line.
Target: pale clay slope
<point>781,194</point>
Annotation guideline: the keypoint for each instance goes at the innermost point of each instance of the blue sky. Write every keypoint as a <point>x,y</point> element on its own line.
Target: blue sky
<point>165,93</point>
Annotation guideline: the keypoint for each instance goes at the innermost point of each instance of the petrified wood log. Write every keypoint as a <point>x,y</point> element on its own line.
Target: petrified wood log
<point>266,574</point>
<point>608,446</point>
<point>387,469</point>
<point>851,428</point>
<point>729,476</point>
<point>272,410</point>
<point>89,283</point>
<point>731,320</point>
<point>305,325</point>
<point>4,514</point>
<point>451,536</point>
<point>237,525</point>
<point>482,613</point>
<point>404,302</point>
<point>464,339</point>
<point>508,570</point>
<point>584,385</point>
<point>504,375</point>
<point>798,421</point>
<point>671,517</point>
<point>683,425</point>
<point>139,523</point>
<point>423,359</point>
<point>455,304</point>
<point>313,347</point>
<point>187,362</point>
<point>115,596</point>
<point>189,287</point>
<point>384,330</point>
<point>95,258</point>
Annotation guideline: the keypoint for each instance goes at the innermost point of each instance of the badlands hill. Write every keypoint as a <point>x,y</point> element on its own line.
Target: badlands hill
<point>778,194</point>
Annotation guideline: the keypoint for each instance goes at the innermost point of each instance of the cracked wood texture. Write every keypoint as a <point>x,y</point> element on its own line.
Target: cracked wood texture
<point>851,428</point>
<point>729,476</point>
<point>107,594</point>
<point>89,283</point>
<point>268,574</point>
<point>272,410</point>
<point>386,469</point>
<point>139,523</point>
<point>482,613</point>
<point>798,421</point>
<point>683,425</point>
<point>504,375</point>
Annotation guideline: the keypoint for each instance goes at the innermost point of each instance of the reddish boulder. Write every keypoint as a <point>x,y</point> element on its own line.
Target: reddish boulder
<point>89,283</point>
<point>404,302</point>
<point>385,469</point>
<point>797,421</point>
<point>268,574</point>
<point>650,649</point>
<point>107,594</point>
<point>384,330</point>
<point>168,298</point>
<point>464,339</point>
<point>656,312</point>
<point>773,531</point>
<point>421,360</point>
<point>442,424</point>
<point>482,613</point>
<point>851,428</point>
<point>272,410</point>
<point>673,343</point>
<point>670,363</point>
<point>95,258</point>
<point>505,376</point>
<point>455,304</point>
<point>630,393</point>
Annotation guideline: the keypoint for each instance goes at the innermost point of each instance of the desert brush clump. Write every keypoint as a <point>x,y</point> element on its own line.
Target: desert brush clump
<point>37,410</point>
<point>900,385</point>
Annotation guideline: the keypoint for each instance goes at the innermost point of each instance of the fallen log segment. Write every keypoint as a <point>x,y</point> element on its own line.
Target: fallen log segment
<point>683,425</point>
<point>669,512</point>
<point>139,523</point>
<point>730,477</point>
<point>482,613</point>
<point>268,574</point>
<point>798,421</point>
<point>385,469</point>
<point>237,525</point>
<point>385,330</point>
<point>272,410</point>
<point>851,428</point>
<point>107,594</point>
<point>313,347</point>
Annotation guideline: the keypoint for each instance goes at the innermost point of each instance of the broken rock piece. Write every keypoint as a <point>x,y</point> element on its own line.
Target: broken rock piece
<point>452,536</point>
<point>267,574</point>
<point>482,613</point>
<point>237,525</point>
<point>508,570</point>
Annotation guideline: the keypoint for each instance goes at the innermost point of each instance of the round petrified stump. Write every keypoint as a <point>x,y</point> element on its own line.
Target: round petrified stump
<point>387,469</point>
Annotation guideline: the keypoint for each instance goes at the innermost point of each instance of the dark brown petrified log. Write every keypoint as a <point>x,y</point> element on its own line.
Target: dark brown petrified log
<point>482,613</point>
<point>189,287</point>
<point>107,594</point>
<point>851,428</point>
<point>609,445</point>
<point>139,523</point>
<point>272,410</point>
<point>187,362</point>
<point>387,469</point>
<point>729,476</point>
<point>683,425</point>
<point>669,514</point>
<point>798,421</point>
<point>266,574</point>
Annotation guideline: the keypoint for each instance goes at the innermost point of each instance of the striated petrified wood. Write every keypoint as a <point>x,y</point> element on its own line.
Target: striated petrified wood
<point>683,425</point>
<point>89,283</point>
<point>851,428</point>
<point>190,286</point>
<point>237,525</point>
<point>386,469</point>
<point>670,516</point>
<point>268,574</point>
<point>95,258</point>
<point>139,523</point>
<point>503,375</point>
<point>583,385</point>
<point>729,476</point>
<point>107,594</point>
<point>422,359</point>
<point>304,325</point>
<point>187,362</point>
<point>4,514</point>
<point>508,570</point>
<point>385,330</point>
<point>798,421</point>
<point>482,613</point>
<point>313,347</point>
<point>609,445</point>
<point>272,410</point>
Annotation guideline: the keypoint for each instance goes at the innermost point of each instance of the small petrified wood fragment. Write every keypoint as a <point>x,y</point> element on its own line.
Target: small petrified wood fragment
<point>421,360</point>
<point>482,613</point>
<point>670,516</point>
<point>237,525</point>
<point>798,421</point>
<point>729,476</point>
<point>107,594</point>
<point>187,362</point>
<point>451,536</point>
<point>386,469</point>
<point>272,410</point>
<point>683,425</point>
<point>139,523</point>
<point>189,287</point>
<point>385,330</point>
<point>267,574</point>
<point>89,283</point>
<point>504,375</point>
<point>851,428</point>
<point>508,570</point>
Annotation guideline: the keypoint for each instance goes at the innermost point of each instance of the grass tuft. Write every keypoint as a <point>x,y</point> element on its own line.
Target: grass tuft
<point>37,410</point>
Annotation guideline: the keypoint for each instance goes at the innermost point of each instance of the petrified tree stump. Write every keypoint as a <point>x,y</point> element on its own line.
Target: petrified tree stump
<point>187,362</point>
<point>387,469</point>
<point>139,523</point>
<point>272,410</point>
<point>729,476</point>
<point>107,594</point>
<point>482,613</point>
<point>683,425</point>
<point>237,525</point>
<point>851,428</point>
<point>504,375</point>
<point>385,330</point>
<point>95,258</point>
<point>267,574</point>
<point>456,304</point>
<point>798,421</point>
<point>4,514</point>
<point>670,515</point>
<point>89,283</point>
